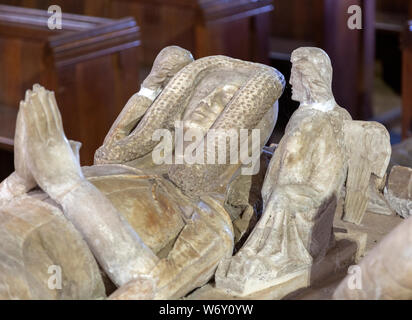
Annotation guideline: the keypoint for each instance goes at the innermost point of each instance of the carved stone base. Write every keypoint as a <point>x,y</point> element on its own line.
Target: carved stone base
<point>337,261</point>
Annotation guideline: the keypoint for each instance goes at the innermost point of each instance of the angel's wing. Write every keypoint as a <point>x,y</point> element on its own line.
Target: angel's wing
<point>369,149</point>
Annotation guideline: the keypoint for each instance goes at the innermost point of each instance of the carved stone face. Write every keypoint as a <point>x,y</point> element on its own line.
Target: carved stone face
<point>311,76</point>
<point>209,108</point>
<point>298,89</point>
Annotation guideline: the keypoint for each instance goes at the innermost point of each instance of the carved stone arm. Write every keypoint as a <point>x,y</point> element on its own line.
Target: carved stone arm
<point>206,238</point>
<point>122,133</point>
<point>56,170</point>
<point>117,247</point>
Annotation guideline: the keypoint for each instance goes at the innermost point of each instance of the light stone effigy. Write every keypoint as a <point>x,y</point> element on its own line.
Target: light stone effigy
<point>324,158</point>
<point>160,231</point>
<point>151,237</point>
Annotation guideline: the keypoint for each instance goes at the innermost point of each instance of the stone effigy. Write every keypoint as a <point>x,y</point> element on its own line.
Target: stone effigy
<point>158,237</point>
<point>160,226</point>
<point>321,150</point>
<point>37,240</point>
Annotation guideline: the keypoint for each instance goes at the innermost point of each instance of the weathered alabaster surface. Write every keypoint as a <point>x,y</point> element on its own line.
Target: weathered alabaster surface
<point>35,237</point>
<point>321,150</point>
<point>399,191</point>
<point>216,92</point>
<point>36,240</point>
<point>369,150</point>
<point>385,272</point>
<point>157,231</point>
<point>160,231</point>
<point>377,201</point>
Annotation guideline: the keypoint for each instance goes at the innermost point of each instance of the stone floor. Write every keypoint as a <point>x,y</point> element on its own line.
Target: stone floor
<point>376,227</point>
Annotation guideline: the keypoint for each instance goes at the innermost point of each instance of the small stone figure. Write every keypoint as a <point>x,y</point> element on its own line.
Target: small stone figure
<point>159,231</point>
<point>321,150</point>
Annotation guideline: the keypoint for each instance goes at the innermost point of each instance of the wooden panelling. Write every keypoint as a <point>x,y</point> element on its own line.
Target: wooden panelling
<point>407,77</point>
<point>237,28</point>
<point>8,117</point>
<point>162,25</point>
<point>352,53</point>
<point>407,82</point>
<point>392,6</point>
<point>298,20</point>
<point>323,23</point>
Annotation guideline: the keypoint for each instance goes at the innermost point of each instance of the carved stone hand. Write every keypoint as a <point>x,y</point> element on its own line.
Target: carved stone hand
<point>20,159</point>
<point>49,156</point>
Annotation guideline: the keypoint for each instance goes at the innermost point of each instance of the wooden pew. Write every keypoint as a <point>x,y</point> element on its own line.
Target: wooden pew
<point>323,23</point>
<point>7,126</point>
<point>237,28</point>
<point>407,82</point>
<point>231,27</point>
<point>91,64</point>
<point>391,17</point>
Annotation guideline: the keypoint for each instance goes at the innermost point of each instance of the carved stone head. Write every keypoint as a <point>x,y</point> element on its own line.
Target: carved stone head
<point>167,63</point>
<point>311,76</point>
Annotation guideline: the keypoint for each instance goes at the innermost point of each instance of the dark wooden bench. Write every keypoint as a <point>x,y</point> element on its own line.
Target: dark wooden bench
<point>238,28</point>
<point>407,82</point>
<point>8,117</point>
<point>91,65</point>
<point>323,23</point>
